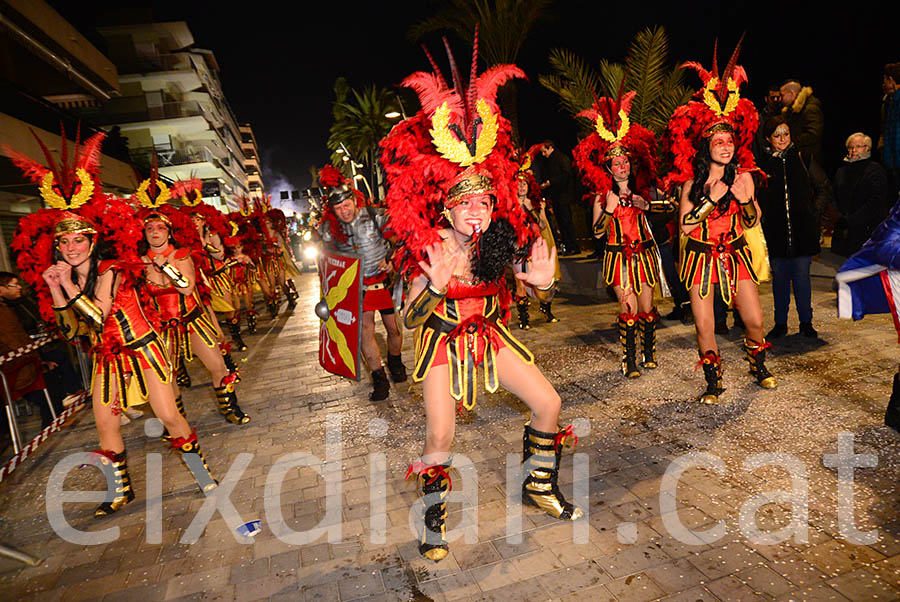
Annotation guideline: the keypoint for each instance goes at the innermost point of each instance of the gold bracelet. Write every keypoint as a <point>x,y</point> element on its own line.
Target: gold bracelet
<point>545,295</point>
<point>699,212</point>
<point>749,213</point>
<point>423,306</point>
<point>174,275</point>
<point>89,310</point>
<point>602,222</point>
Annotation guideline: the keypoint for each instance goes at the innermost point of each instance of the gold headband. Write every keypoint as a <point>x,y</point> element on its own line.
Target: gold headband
<point>73,225</point>
<point>470,185</point>
<point>616,150</point>
<point>719,126</point>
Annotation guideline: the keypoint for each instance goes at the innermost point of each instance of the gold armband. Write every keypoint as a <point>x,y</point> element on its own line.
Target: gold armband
<point>545,295</point>
<point>662,206</point>
<point>89,310</point>
<point>749,213</point>
<point>211,249</point>
<point>602,222</point>
<point>68,323</point>
<point>174,275</point>
<point>422,307</point>
<point>699,212</point>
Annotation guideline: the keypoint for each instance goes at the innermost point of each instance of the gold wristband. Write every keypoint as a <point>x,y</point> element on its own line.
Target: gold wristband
<point>545,295</point>
<point>174,275</point>
<point>67,322</point>
<point>422,307</point>
<point>602,222</point>
<point>699,212</point>
<point>662,206</point>
<point>89,310</point>
<point>749,213</point>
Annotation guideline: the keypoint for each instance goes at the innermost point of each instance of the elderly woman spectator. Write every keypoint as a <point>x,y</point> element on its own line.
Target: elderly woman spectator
<point>861,191</point>
<point>791,203</point>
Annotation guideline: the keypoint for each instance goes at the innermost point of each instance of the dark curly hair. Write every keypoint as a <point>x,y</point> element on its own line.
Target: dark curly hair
<point>702,161</point>
<point>495,250</point>
<point>100,252</point>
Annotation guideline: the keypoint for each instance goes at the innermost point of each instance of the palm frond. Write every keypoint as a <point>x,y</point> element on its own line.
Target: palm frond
<point>574,81</point>
<point>647,69</point>
<point>612,75</point>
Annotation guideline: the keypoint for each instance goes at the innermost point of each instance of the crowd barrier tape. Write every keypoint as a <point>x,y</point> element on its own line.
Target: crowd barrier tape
<point>38,343</point>
<point>54,426</point>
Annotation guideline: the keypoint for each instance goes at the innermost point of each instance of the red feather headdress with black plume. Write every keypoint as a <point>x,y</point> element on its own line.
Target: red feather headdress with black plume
<point>459,133</point>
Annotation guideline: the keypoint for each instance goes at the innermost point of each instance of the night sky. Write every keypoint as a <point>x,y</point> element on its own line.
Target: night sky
<point>279,64</point>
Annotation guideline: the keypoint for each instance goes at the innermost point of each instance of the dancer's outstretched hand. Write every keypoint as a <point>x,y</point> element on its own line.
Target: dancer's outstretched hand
<point>541,265</point>
<point>440,266</point>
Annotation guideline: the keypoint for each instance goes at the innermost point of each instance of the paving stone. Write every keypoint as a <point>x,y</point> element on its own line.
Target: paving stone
<point>638,587</point>
<point>862,584</point>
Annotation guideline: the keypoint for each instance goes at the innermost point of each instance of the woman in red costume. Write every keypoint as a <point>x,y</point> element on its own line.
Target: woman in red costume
<point>452,205</point>
<point>528,193</point>
<point>79,257</point>
<point>243,275</point>
<point>172,281</point>
<point>710,140</point>
<point>284,268</point>
<point>618,164</point>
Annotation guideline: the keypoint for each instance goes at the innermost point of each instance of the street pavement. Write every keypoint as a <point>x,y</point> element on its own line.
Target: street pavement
<point>635,438</point>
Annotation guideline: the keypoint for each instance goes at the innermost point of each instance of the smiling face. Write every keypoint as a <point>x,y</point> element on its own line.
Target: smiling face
<point>522,185</point>
<point>74,248</point>
<point>157,233</point>
<point>721,147</point>
<point>780,139</point>
<point>620,168</point>
<point>471,214</point>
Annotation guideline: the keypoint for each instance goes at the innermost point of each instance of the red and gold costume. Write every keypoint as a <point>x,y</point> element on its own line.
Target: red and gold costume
<point>459,147</point>
<point>631,261</point>
<point>124,343</point>
<point>717,250</point>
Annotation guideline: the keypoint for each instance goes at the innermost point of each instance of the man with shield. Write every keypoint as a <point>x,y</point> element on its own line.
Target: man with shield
<point>346,228</point>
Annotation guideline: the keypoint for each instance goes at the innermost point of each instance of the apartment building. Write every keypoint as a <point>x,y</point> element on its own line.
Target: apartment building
<point>251,162</point>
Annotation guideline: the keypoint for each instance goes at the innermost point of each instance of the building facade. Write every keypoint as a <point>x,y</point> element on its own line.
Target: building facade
<point>251,162</point>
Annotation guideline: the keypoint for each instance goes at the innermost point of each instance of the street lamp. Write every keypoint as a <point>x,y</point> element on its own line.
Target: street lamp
<point>359,176</point>
<point>392,114</point>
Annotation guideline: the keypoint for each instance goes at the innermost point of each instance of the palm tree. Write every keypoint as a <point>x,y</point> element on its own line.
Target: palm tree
<point>503,26</point>
<point>647,70</point>
<point>360,124</point>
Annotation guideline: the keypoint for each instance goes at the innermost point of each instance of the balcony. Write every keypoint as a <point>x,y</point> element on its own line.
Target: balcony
<point>154,63</point>
<point>167,110</point>
<point>167,156</point>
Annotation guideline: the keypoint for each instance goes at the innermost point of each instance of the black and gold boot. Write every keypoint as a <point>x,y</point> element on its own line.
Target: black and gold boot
<point>230,364</point>
<point>396,368</point>
<point>119,491</point>
<point>522,309</point>
<point>235,326</point>
<point>627,325</point>
<point>272,304</point>
<point>647,323</point>
<point>712,371</point>
<point>195,461</point>
<point>228,403</point>
<point>182,378</point>
<point>290,293</point>
<point>436,486</point>
<point>541,454</point>
<point>545,309</point>
<point>892,414</point>
<point>756,356</point>
<point>252,318</point>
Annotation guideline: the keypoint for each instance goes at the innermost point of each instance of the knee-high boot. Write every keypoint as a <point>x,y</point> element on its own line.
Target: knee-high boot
<point>119,491</point>
<point>541,455</point>
<point>195,461</point>
<point>522,309</point>
<point>712,371</point>
<point>272,303</point>
<point>252,318</point>
<point>647,323</point>
<point>230,364</point>
<point>436,486</point>
<point>290,292</point>
<point>235,325</point>
<point>179,405</point>
<point>756,356</point>
<point>627,325</point>
<point>228,402</point>
<point>182,378</point>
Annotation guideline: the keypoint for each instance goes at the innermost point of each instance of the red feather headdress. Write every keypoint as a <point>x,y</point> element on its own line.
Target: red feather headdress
<point>457,129</point>
<point>614,134</point>
<point>331,178</point>
<point>717,106</point>
<point>73,191</point>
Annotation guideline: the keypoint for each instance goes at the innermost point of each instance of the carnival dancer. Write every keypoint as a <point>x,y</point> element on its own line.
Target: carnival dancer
<point>710,139</point>
<point>270,262</point>
<point>618,164</point>
<point>80,258</point>
<point>869,283</point>
<point>347,228</point>
<point>452,205</point>
<point>285,270</point>
<point>532,202</point>
<point>172,281</point>
<point>243,276</point>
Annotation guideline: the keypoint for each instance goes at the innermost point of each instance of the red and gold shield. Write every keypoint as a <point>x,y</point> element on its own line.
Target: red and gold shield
<point>340,310</point>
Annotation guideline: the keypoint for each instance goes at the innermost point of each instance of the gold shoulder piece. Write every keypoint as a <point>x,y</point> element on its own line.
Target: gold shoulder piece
<point>602,222</point>
<point>175,276</point>
<point>422,307</point>
<point>699,212</point>
<point>89,310</point>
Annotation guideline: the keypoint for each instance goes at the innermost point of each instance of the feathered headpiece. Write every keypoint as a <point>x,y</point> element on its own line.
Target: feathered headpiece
<point>191,194</point>
<point>190,191</point>
<point>72,189</point>
<point>526,174</point>
<point>717,107</point>
<point>152,198</point>
<point>615,135</point>
<point>336,189</point>
<point>457,144</point>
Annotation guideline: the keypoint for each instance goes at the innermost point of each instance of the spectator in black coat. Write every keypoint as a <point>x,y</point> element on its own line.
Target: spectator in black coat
<point>861,196</point>
<point>791,203</point>
<point>558,186</point>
